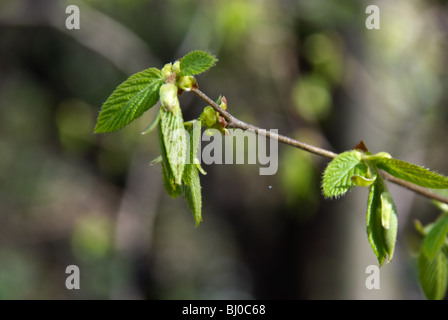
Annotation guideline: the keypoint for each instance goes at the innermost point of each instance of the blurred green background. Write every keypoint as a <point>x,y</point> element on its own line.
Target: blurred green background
<point>310,69</point>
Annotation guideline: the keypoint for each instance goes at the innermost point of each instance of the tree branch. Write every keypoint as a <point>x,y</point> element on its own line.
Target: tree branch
<point>233,122</point>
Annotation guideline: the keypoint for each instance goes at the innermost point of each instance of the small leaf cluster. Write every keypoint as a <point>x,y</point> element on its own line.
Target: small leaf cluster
<point>142,91</point>
<point>211,119</point>
<point>359,167</point>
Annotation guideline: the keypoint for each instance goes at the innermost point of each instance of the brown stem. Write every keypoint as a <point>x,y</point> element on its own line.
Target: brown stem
<point>233,122</point>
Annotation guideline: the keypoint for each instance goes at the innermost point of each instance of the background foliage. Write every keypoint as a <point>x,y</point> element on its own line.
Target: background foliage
<point>308,68</point>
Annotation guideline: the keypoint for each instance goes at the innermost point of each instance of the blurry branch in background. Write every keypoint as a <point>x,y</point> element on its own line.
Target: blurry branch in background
<point>110,38</point>
<point>232,122</point>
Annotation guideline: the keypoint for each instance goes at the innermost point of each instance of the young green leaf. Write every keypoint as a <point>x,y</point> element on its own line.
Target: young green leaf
<point>433,275</point>
<point>374,223</point>
<point>192,150</point>
<point>436,237</point>
<point>196,62</point>
<point>411,172</point>
<point>172,133</point>
<point>382,221</point>
<point>130,100</point>
<point>171,187</point>
<point>191,186</point>
<point>192,193</point>
<point>389,221</point>
<point>169,182</point>
<point>337,175</point>
<point>195,139</point>
<point>387,209</point>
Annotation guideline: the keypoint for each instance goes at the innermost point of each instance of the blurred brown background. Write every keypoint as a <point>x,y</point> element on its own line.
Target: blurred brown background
<point>310,69</point>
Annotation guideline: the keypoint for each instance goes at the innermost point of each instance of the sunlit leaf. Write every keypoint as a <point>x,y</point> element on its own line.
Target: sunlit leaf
<point>374,224</point>
<point>337,175</point>
<point>411,172</point>
<point>130,100</point>
<point>196,62</point>
<point>191,186</point>
<point>192,193</point>
<point>382,221</point>
<point>169,182</point>
<point>172,133</point>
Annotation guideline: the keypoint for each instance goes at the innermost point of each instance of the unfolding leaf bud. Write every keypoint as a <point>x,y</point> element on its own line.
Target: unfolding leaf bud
<point>361,146</point>
<point>187,83</point>
<point>168,97</point>
<point>167,70</point>
<point>176,67</point>
<point>222,122</point>
<point>223,103</point>
<point>209,117</point>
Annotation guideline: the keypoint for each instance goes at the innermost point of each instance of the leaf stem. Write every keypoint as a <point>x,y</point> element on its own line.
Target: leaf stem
<point>233,122</point>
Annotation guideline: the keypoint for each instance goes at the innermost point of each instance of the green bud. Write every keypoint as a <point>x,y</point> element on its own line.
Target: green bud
<point>167,70</point>
<point>223,104</point>
<point>168,97</point>
<point>176,67</point>
<point>187,83</point>
<point>209,117</point>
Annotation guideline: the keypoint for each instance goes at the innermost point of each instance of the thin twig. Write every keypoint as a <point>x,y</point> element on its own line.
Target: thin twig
<point>233,122</point>
<point>417,189</point>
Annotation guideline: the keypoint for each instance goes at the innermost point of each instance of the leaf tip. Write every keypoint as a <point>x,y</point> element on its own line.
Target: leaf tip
<point>198,222</point>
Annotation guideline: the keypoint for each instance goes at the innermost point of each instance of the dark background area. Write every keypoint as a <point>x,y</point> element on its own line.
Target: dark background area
<point>310,69</point>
